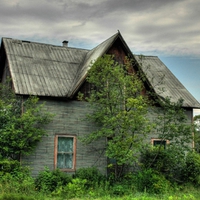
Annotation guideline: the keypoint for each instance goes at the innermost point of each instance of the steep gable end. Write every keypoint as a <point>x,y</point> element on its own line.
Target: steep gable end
<point>91,56</point>
<point>94,54</point>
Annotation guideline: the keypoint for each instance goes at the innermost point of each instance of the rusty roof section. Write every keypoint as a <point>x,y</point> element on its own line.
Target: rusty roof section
<point>163,81</point>
<point>57,71</point>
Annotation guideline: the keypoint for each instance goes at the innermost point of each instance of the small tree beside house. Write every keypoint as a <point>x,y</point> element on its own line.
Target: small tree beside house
<point>119,110</point>
<point>22,123</point>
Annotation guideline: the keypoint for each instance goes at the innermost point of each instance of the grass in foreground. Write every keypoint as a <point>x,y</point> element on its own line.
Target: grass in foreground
<point>185,195</point>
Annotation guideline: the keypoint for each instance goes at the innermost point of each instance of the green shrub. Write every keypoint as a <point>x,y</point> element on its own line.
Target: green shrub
<point>7,166</point>
<point>48,181</point>
<point>170,162</point>
<point>76,188</point>
<point>91,174</point>
<point>120,189</point>
<point>18,181</point>
<point>151,182</point>
<point>192,169</point>
<point>15,197</point>
<point>9,184</point>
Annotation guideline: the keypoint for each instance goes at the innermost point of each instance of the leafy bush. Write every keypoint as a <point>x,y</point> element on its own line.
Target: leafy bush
<point>18,180</point>
<point>120,189</point>
<point>15,178</point>
<point>192,169</point>
<point>15,197</point>
<point>20,131</point>
<point>8,165</point>
<point>151,182</point>
<point>170,162</point>
<point>91,174</point>
<point>76,188</point>
<point>48,181</point>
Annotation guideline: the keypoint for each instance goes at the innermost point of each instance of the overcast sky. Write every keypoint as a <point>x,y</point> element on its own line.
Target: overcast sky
<point>169,29</point>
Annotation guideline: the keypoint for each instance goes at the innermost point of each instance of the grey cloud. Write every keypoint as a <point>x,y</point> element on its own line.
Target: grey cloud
<point>147,22</point>
<point>138,5</point>
<point>38,11</point>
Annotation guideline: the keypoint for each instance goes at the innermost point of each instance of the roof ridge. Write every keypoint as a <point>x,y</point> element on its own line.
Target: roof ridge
<point>41,43</point>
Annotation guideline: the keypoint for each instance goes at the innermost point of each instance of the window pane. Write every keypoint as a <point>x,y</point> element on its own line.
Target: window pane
<point>65,144</point>
<point>159,142</point>
<point>65,152</point>
<point>64,161</point>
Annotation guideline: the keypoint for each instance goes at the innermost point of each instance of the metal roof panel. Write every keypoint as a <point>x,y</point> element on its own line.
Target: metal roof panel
<point>42,69</point>
<point>163,81</point>
<point>57,71</point>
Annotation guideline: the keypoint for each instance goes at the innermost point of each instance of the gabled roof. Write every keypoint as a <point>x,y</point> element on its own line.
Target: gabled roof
<point>57,71</point>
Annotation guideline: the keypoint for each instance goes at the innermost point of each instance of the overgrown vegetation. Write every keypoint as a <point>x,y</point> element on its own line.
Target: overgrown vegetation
<point>197,133</point>
<point>144,184</point>
<point>119,110</point>
<point>175,136</point>
<point>21,123</point>
<point>122,111</point>
<point>170,171</point>
<point>172,124</point>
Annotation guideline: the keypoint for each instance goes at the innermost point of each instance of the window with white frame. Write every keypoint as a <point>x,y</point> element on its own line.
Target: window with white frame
<point>65,152</point>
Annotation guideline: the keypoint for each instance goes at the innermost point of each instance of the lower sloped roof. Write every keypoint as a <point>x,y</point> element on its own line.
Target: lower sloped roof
<point>163,81</point>
<point>42,69</point>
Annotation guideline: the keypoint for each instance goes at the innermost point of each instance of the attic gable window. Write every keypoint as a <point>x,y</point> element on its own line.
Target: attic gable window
<point>65,152</point>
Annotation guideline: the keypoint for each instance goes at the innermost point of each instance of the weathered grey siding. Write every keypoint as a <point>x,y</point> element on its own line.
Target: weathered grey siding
<point>69,119</point>
<point>153,114</point>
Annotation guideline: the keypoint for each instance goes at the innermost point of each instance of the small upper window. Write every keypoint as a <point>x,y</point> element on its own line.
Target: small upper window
<point>160,142</point>
<point>65,152</point>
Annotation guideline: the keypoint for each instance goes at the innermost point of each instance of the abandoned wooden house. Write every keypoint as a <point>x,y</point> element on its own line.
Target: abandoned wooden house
<point>56,74</point>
